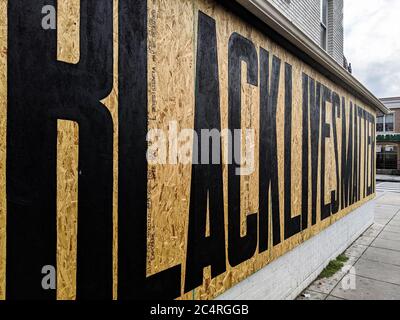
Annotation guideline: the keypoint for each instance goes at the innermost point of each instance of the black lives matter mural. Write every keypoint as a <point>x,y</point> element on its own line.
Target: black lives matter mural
<point>42,90</point>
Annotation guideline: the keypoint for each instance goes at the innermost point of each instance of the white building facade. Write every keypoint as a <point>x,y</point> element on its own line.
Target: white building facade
<point>320,20</point>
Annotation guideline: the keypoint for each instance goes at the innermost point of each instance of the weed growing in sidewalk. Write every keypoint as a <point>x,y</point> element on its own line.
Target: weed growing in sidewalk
<point>333,267</point>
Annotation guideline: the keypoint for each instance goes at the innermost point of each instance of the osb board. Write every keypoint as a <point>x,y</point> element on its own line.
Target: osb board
<point>68,45</point>
<point>172,60</point>
<point>68,50</point>
<point>67,208</point>
<point>3,135</point>
<point>68,26</point>
<point>172,34</point>
<point>171,82</point>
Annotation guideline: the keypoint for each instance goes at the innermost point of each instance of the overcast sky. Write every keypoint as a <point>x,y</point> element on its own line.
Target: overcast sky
<point>372,44</point>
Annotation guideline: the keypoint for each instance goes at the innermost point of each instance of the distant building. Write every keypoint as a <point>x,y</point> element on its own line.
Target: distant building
<point>321,20</point>
<point>388,138</point>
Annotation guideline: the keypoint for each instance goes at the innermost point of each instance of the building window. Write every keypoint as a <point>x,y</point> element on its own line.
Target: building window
<point>385,124</point>
<point>379,123</point>
<point>324,24</point>
<point>387,157</point>
<point>389,123</point>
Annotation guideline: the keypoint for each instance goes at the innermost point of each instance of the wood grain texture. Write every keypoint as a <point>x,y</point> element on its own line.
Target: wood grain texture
<point>172,47</point>
<point>68,30</point>
<point>171,103</point>
<point>175,39</point>
<point>67,208</point>
<point>68,51</point>
<point>111,102</point>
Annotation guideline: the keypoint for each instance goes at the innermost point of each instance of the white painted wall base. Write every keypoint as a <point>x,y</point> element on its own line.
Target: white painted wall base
<point>288,276</point>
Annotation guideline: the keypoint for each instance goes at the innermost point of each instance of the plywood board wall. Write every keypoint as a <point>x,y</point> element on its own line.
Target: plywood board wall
<point>173,29</point>
<point>174,61</point>
<point>3,143</point>
<point>67,208</point>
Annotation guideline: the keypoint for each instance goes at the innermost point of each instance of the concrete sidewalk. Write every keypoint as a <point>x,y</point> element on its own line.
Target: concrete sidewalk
<point>386,178</point>
<point>374,259</point>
